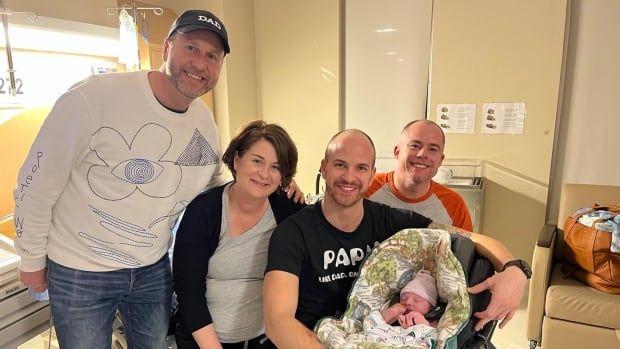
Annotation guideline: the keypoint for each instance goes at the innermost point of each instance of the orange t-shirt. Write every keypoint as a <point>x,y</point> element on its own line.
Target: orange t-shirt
<point>440,203</point>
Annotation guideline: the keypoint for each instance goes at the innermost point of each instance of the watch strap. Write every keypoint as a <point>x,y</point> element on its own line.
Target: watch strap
<point>521,264</point>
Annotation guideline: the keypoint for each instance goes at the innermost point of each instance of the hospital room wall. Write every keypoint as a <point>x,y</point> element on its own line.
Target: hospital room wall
<point>274,71</point>
<point>520,47</point>
<point>587,150</point>
<point>522,62</point>
<point>255,85</point>
<point>266,62</point>
<point>298,74</point>
<point>513,204</point>
<point>486,51</point>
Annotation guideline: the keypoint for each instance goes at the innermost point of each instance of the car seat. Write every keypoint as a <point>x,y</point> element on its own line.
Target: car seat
<point>392,264</point>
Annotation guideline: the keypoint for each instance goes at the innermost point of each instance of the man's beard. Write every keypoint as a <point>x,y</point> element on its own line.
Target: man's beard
<point>348,202</point>
<point>179,83</point>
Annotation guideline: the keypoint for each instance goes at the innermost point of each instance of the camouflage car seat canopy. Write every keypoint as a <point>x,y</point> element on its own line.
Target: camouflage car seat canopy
<point>385,272</point>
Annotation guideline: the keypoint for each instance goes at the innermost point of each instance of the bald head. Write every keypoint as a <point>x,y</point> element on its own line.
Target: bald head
<point>348,168</point>
<point>418,123</point>
<point>352,135</point>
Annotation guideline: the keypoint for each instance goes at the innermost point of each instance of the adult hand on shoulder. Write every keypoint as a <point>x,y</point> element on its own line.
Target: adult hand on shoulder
<point>37,280</point>
<point>506,292</point>
<point>293,191</point>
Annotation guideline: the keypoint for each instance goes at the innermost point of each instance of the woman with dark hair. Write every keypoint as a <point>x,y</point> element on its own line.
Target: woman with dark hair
<point>220,251</point>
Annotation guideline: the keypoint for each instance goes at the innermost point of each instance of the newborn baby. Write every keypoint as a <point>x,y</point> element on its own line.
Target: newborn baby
<point>417,298</point>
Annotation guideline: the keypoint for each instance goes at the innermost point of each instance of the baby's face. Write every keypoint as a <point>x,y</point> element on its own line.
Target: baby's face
<point>413,302</point>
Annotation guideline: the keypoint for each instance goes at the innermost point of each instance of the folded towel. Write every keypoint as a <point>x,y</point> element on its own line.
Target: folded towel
<point>607,221</point>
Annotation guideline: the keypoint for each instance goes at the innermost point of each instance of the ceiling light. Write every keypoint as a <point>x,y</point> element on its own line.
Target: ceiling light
<point>386,30</point>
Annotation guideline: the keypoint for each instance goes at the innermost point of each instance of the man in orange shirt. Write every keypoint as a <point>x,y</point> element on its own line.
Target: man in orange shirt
<point>410,186</point>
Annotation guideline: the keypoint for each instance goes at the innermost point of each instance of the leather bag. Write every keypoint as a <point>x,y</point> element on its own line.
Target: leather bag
<point>587,254</point>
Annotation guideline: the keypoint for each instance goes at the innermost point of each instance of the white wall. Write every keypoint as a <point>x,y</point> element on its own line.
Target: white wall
<point>298,74</point>
<point>387,56</point>
<point>587,151</point>
<point>503,51</point>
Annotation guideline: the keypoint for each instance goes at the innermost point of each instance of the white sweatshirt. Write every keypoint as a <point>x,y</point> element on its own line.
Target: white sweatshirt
<point>108,174</point>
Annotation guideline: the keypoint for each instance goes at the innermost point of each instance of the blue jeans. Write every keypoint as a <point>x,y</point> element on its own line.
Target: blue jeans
<point>84,304</point>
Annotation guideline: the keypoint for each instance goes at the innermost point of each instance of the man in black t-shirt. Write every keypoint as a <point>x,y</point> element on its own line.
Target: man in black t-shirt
<point>330,259</point>
<point>315,255</point>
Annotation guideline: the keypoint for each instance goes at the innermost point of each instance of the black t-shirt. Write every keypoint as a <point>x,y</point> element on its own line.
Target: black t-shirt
<point>326,259</point>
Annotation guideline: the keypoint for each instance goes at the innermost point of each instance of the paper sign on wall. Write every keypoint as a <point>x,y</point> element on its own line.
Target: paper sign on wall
<point>507,118</point>
<point>456,118</point>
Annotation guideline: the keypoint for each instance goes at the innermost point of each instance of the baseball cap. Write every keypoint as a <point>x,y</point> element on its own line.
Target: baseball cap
<point>191,20</point>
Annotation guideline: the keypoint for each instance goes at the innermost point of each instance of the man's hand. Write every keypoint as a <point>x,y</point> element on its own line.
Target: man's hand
<point>293,191</point>
<point>37,280</point>
<point>506,292</point>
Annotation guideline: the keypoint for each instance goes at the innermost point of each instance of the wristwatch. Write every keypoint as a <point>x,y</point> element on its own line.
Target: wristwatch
<point>521,264</point>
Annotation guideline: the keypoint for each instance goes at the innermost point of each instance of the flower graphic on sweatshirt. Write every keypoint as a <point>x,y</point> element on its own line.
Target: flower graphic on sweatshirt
<point>133,166</point>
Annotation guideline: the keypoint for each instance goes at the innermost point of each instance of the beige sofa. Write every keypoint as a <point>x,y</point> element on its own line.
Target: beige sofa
<point>563,312</point>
